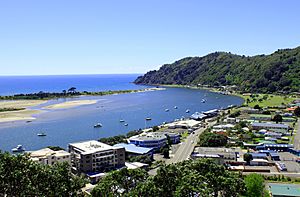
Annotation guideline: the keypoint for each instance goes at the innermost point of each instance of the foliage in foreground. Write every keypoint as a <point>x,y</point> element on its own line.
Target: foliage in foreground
<point>20,176</point>
<point>190,178</point>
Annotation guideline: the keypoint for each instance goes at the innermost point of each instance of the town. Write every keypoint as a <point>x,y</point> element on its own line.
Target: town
<point>245,139</point>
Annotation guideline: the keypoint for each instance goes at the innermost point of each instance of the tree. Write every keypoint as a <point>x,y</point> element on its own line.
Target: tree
<point>209,139</point>
<point>165,151</point>
<point>248,157</point>
<point>257,107</point>
<point>21,176</point>
<point>254,185</point>
<point>72,90</point>
<point>297,111</point>
<point>277,118</point>
<point>201,177</point>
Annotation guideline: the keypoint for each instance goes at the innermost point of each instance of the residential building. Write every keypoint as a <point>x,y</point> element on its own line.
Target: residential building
<point>270,126</point>
<point>94,156</point>
<point>50,157</point>
<point>133,150</point>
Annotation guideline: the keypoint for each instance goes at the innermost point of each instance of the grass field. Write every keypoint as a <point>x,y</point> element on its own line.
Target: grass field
<point>267,100</point>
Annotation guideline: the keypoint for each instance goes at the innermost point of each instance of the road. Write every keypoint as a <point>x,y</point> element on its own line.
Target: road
<point>297,137</point>
<point>187,147</point>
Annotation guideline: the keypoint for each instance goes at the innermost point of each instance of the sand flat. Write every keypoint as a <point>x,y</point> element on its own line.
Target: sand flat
<point>25,114</point>
<point>70,104</point>
<point>18,115</point>
<point>20,103</point>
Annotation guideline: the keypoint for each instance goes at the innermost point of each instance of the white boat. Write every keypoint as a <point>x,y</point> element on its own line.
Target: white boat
<point>187,111</point>
<point>148,118</point>
<point>97,125</point>
<point>19,148</point>
<point>126,124</point>
<point>175,107</point>
<point>167,110</point>
<point>203,101</point>
<point>122,120</point>
<point>41,134</point>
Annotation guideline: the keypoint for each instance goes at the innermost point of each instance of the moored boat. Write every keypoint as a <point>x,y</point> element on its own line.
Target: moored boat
<point>187,111</point>
<point>41,134</point>
<point>97,125</point>
<point>148,118</point>
<point>19,148</point>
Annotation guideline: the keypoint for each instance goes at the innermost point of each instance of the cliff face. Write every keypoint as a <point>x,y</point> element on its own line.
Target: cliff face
<point>279,71</point>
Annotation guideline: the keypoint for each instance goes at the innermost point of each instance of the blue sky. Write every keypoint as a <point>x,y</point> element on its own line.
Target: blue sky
<point>134,36</point>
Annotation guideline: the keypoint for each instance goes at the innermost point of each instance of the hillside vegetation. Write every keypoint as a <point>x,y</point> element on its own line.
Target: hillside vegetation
<point>279,71</point>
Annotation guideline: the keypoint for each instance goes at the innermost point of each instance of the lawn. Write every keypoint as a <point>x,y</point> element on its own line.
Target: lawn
<point>267,100</point>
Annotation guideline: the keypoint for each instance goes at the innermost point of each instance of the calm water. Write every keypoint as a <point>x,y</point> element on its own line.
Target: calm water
<point>70,125</point>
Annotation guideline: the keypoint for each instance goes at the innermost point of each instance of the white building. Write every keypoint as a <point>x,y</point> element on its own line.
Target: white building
<point>50,157</point>
<point>94,156</point>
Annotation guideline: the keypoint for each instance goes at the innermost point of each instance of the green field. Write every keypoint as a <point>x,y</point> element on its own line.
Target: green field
<point>267,100</point>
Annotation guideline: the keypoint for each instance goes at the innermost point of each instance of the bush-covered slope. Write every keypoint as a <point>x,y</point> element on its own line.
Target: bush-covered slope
<point>279,71</point>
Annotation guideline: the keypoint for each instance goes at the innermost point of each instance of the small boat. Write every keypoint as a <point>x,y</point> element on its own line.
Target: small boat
<point>19,148</point>
<point>203,101</point>
<point>167,110</point>
<point>41,134</point>
<point>122,120</point>
<point>98,125</point>
<point>175,107</point>
<point>126,124</point>
<point>187,111</point>
<point>164,123</point>
<point>148,119</point>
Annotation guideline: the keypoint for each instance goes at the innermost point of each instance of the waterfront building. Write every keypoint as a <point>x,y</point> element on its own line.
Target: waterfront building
<point>50,157</point>
<point>133,150</point>
<point>94,156</point>
<point>155,140</point>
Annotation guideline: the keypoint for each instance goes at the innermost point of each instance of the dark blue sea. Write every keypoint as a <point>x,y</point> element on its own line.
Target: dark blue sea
<point>64,126</point>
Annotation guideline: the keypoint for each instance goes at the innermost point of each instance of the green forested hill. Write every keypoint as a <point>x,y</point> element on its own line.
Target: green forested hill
<point>279,71</point>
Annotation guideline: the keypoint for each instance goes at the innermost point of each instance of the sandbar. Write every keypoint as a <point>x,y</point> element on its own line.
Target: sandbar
<point>70,104</point>
<point>25,114</point>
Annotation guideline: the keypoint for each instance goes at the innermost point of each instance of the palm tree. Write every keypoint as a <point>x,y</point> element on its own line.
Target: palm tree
<point>72,90</point>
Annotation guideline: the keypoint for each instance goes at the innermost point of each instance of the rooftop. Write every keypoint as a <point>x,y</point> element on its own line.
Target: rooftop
<point>284,189</point>
<point>92,146</point>
<point>47,151</point>
<point>262,124</point>
<point>133,148</point>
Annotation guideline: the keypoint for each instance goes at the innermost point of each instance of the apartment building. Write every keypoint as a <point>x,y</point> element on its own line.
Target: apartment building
<point>94,156</point>
<point>50,157</point>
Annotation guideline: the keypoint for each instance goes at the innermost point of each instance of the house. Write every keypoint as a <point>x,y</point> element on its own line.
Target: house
<point>133,150</point>
<point>270,126</point>
<point>50,157</point>
<point>94,156</point>
<point>260,117</point>
<point>284,190</point>
<point>275,147</point>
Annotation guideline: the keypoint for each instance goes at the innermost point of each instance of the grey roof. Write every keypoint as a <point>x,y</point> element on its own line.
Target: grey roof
<point>262,124</point>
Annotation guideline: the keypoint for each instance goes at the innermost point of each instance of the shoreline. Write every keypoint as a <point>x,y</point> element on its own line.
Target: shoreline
<point>71,104</point>
<point>26,114</point>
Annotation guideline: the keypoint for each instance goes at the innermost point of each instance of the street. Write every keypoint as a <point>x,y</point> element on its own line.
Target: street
<point>187,147</point>
<point>297,137</point>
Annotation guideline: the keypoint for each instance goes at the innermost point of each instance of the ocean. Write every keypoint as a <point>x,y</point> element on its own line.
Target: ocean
<point>64,126</point>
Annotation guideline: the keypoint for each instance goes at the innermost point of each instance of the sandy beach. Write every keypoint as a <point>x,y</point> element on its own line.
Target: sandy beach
<point>70,104</point>
<point>25,114</point>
